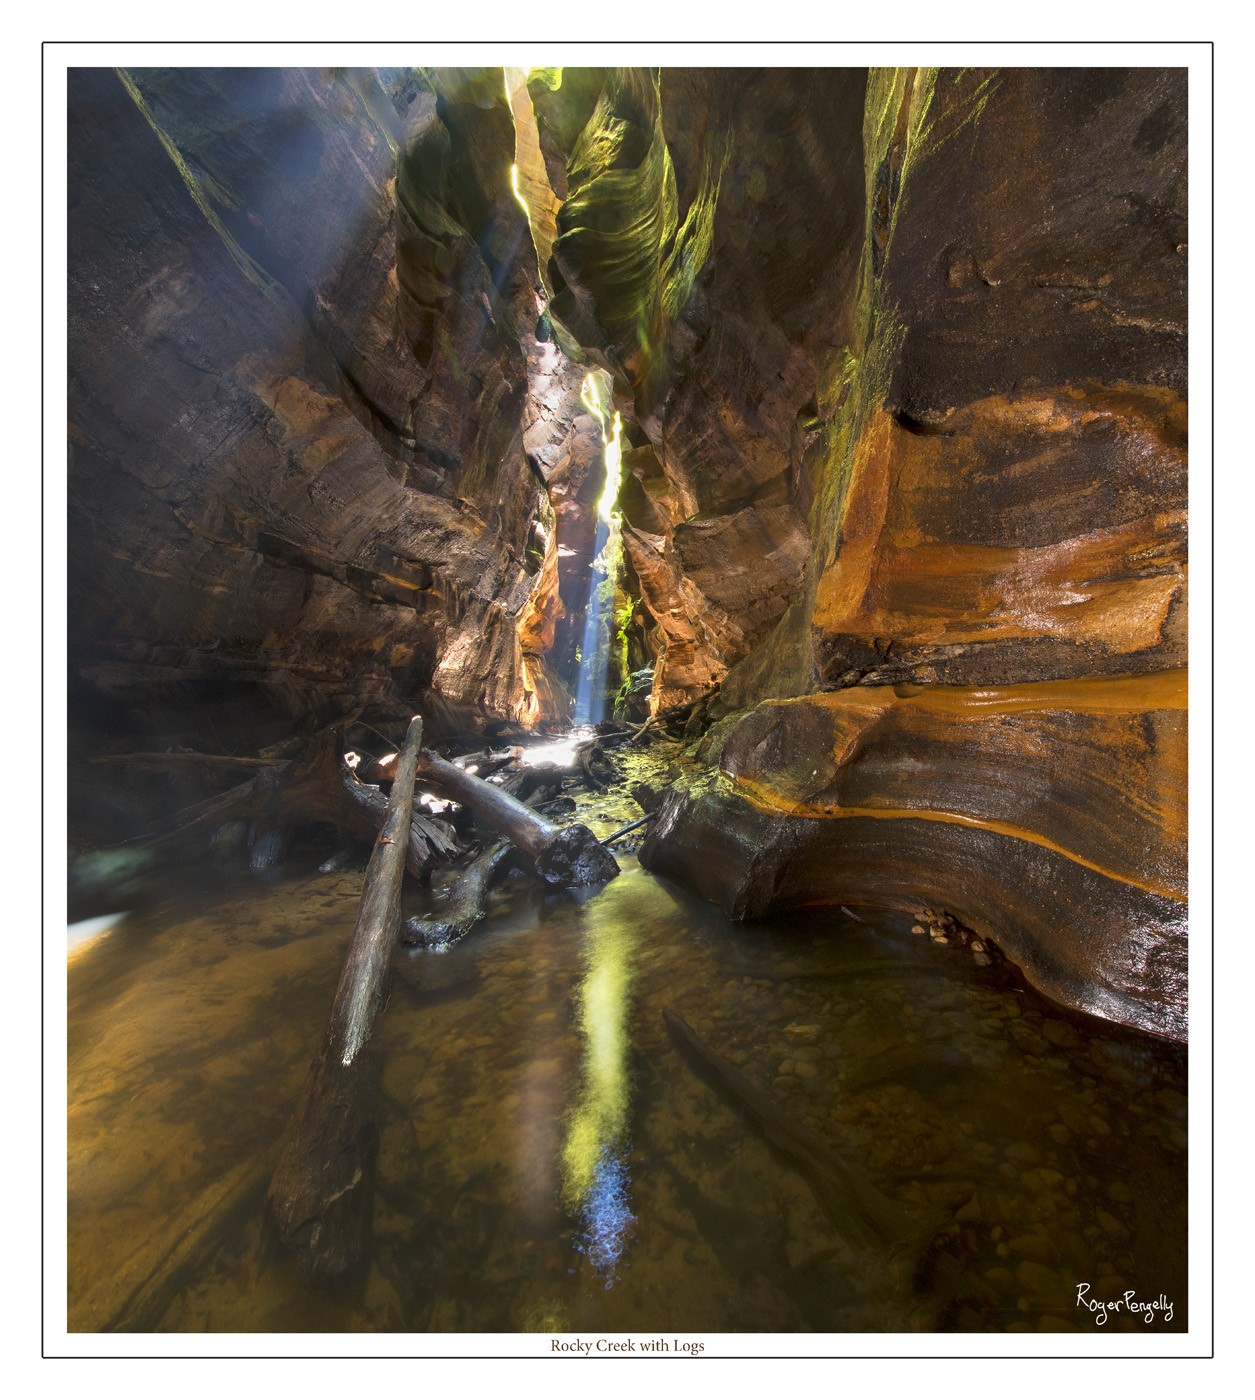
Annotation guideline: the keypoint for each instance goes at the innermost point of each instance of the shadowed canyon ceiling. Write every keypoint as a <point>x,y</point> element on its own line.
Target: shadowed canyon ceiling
<point>900,361</point>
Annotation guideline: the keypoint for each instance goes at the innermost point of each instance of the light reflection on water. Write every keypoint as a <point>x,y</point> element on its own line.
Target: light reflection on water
<point>606,1214</point>
<point>595,1175</point>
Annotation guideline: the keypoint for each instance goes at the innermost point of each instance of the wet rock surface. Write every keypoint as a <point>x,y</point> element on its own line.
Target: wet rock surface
<point>998,804</point>
<point>995,473</point>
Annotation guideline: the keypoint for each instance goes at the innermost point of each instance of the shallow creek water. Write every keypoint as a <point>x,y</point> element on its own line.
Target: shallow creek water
<point>550,1161</point>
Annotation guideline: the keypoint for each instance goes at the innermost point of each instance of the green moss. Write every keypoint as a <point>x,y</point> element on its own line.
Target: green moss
<point>548,78</point>
<point>622,622</point>
<point>855,385</point>
<point>630,253</point>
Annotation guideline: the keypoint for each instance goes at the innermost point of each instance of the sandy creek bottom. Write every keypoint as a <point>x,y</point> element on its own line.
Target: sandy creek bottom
<point>550,1161</point>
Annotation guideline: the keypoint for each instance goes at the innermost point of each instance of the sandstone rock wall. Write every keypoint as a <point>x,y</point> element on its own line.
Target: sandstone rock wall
<point>302,305</point>
<point>996,594</point>
<point>707,251</point>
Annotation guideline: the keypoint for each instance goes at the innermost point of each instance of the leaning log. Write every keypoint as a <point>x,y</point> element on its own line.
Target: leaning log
<point>320,1195</point>
<point>569,856</point>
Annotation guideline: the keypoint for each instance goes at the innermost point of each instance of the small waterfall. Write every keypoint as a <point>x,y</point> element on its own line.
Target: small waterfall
<point>590,692</point>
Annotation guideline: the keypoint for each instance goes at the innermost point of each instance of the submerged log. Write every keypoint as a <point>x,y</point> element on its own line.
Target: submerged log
<point>467,900</point>
<point>320,1195</point>
<point>854,1206</point>
<point>569,856</point>
<point>181,1246</point>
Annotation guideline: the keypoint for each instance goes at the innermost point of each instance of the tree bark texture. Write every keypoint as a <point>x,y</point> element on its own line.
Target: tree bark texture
<point>320,1195</point>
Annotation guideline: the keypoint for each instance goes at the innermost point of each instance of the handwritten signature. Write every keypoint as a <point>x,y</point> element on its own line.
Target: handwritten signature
<point>1128,1302</point>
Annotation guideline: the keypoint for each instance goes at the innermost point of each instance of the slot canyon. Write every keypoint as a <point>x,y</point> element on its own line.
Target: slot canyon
<point>768,490</point>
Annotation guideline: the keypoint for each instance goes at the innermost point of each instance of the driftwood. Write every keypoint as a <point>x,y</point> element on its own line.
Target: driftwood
<point>186,759</point>
<point>267,838</point>
<point>673,714</point>
<point>631,826</point>
<point>488,761</point>
<point>485,762</point>
<point>644,729</point>
<point>467,900</point>
<point>854,1206</point>
<point>526,781</point>
<point>320,1195</point>
<point>588,755</point>
<point>319,788</point>
<point>465,905</point>
<point>424,836</point>
<point>569,856</point>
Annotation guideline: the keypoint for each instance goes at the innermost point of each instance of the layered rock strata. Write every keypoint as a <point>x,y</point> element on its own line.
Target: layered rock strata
<point>303,306</point>
<point>996,597</point>
<point>707,249</point>
<point>1049,817</point>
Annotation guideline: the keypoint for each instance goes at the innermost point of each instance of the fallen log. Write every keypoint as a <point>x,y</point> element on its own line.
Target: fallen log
<point>644,729</point>
<point>422,837</point>
<point>467,899</point>
<point>465,905</point>
<point>186,759</point>
<point>569,856</point>
<point>178,1249</point>
<point>320,1195</point>
<point>267,838</point>
<point>524,783</point>
<point>586,755</point>
<point>206,815</point>
<point>488,761</point>
<point>320,788</point>
<point>685,711</point>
